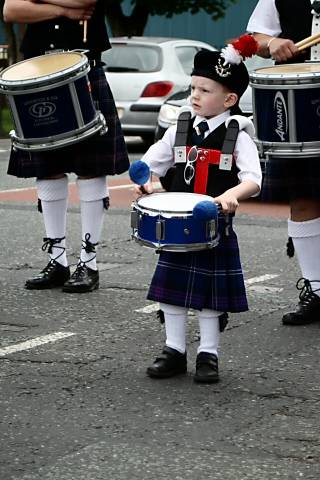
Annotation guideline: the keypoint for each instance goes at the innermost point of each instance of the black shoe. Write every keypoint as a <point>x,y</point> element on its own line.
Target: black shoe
<point>53,275</point>
<point>169,363</point>
<point>308,309</point>
<point>206,368</point>
<point>83,279</point>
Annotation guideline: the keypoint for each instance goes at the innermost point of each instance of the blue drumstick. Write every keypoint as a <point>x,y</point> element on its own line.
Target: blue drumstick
<point>139,172</point>
<point>205,210</point>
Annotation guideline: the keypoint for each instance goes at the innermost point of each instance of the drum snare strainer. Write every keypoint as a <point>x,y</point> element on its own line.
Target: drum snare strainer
<point>50,101</point>
<point>165,221</point>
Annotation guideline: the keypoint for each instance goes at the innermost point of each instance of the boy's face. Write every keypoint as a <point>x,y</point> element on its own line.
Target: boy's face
<point>210,98</point>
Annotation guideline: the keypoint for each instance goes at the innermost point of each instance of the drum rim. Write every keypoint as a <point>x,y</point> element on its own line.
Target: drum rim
<point>258,74</point>
<point>83,62</point>
<point>176,247</point>
<point>172,212</point>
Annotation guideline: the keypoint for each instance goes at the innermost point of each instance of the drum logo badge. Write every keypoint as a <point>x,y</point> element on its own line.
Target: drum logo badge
<point>281,115</point>
<point>42,109</point>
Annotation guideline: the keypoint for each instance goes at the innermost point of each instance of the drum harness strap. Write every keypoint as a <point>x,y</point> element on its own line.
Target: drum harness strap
<point>315,49</point>
<point>223,158</point>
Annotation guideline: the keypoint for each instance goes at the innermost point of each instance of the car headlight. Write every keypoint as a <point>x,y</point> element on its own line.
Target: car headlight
<point>168,114</point>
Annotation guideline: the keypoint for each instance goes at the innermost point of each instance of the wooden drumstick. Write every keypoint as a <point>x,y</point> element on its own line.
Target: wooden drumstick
<point>308,42</point>
<point>85,29</point>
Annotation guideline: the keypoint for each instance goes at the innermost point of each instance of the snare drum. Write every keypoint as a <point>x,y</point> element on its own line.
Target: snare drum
<point>286,108</point>
<point>50,101</point>
<point>165,221</point>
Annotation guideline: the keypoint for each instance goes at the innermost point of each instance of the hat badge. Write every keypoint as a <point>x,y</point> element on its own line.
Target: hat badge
<point>223,69</point>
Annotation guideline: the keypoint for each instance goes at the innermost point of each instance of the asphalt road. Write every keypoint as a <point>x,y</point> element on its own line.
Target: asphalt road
<point>75,401</point>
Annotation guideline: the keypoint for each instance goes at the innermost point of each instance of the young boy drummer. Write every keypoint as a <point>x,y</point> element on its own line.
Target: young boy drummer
<point>209,281</point>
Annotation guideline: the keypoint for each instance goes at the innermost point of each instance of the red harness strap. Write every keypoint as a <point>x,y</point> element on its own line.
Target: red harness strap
<point>205,157</point>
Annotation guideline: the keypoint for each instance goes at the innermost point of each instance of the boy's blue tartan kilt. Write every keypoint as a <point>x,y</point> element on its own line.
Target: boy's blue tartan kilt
<point>97,156</point>
<point>206,279</point>
<point>287,179</point>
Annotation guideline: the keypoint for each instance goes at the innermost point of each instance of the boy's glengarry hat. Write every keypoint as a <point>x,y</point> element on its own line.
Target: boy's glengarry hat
<point>227,67</point>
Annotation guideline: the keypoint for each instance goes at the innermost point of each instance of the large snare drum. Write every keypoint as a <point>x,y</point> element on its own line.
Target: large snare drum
<point>286,108</point>
<point>165,221</point>
<point>50,101</point>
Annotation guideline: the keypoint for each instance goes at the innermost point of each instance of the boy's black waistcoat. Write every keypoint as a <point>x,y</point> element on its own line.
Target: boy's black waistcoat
<point>66,34</point>
<point>218,180</point>
<point>295,21</point>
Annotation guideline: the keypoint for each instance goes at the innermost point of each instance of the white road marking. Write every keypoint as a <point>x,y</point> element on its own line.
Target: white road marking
<point>149,308</point>
<point>34,342</point>
<point>261,278</point>
<point>261,289</point>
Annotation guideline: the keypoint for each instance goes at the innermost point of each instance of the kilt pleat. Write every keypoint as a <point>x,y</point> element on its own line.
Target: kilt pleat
<point>210,279</point>
<point>291,178</point>
<point>99,155</point>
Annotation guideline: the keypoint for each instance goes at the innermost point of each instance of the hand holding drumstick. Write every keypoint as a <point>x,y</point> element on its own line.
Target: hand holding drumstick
<point>282,49</point>
<point>279,49</point>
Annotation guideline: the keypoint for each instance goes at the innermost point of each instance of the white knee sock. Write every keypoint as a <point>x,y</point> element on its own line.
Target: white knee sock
<point>306,241</point>
<point>175,323</point>
<point>209,331</point>
<point>91,193</point>
<point>54,198</point>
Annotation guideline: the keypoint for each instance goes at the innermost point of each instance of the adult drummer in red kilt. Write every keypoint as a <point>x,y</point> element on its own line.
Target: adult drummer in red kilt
<point>209,281</point>
<point>58,25</point>
<point>277,26</point>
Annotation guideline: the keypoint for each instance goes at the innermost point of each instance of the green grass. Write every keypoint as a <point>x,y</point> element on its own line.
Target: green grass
<point>6,122</point>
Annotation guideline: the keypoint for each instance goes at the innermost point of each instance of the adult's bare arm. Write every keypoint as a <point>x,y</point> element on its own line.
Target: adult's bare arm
<point>280,49</point>
<point>27,11</point>
<point>70,3</point>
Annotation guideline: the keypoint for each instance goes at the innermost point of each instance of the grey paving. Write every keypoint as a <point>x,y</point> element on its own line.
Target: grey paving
<point>82,408</point>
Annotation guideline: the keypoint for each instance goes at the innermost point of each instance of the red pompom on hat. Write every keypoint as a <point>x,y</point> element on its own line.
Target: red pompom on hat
<point>246,46</point>
<point>240,49</point>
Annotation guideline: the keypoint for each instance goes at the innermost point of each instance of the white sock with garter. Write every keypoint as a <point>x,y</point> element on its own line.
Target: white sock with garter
<point>306,241</point>
<point>175,324</point>
<point>92,191</point>
<point>209,331</point>
<point>54,199</point>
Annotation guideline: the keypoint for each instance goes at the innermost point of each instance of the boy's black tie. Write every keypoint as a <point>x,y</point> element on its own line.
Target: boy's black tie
<point>203,127</point>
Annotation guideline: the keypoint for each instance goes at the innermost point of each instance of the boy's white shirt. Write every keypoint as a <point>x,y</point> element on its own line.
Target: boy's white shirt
<point>160,156</point>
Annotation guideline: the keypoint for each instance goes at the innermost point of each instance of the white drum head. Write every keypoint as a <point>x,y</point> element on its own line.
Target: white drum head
<point>291,69</point>
<point>171,202</point>
<point>42,66</point>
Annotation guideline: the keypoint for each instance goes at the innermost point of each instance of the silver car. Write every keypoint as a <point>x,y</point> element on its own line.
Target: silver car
<point>143,72</point>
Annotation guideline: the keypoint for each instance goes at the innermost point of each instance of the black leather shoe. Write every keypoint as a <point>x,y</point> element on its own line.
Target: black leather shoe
<point>308,309</point>
<point>83,279</point>
<point>169,363</point>
<point>206,368</point>
<point>53,275</point>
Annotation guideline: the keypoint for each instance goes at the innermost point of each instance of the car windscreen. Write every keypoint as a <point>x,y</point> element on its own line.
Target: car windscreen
<point>132,58</point>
